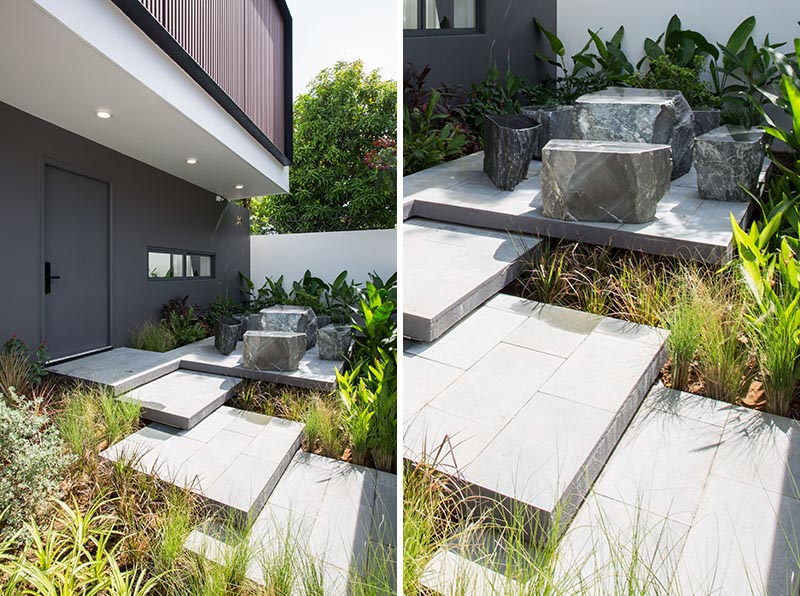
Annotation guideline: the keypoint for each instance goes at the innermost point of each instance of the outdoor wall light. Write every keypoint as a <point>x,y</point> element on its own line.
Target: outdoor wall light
<point>191,160</point>
<point>103,114</point>
<point>239,221</point>
<point>239,186</point>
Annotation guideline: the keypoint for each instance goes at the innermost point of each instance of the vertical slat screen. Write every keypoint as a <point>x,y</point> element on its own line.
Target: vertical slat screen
<point>239,44</point>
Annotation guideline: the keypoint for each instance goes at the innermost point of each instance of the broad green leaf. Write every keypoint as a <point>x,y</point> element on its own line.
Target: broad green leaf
<point>741,33</point>
<point>556,44</point>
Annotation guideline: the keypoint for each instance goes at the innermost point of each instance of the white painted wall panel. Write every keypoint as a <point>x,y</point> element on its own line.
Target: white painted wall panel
<point>326,254</point>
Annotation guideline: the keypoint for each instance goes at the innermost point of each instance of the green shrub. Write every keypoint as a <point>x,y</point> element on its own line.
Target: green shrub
<point>32,461</point>
<point>430,137</point>
<point>665,74</point>
<point>335,124</point>
<point>186,328</point>
<point>154,337</point>
<point>19,368</point>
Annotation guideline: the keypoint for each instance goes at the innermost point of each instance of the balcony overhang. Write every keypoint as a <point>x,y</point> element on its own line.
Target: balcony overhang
<point>64,61</point>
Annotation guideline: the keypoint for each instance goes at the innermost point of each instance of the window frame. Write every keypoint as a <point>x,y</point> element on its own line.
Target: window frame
<point>421,31</point>
<point>186,256</point>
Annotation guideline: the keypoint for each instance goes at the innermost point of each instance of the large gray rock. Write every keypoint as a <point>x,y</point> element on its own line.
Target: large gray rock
<point>508,142</point>
<point>556,122</point>
<point>334,342</point>
<point>273,350</point>
<point>604,181</point>
<point>639,116</point>
<point>706,121</point>
<point>728,161</point>
<point>298,319</point>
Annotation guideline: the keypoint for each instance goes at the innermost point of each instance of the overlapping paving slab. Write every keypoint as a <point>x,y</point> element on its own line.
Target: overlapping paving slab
<point>524,402</point>
<point>232,459</point>
<point>704,493</point>
<point>451,270</point>
<point>182,398</point>
<point>460,193</point>
<point>341,516</point>
<point>124,369</point>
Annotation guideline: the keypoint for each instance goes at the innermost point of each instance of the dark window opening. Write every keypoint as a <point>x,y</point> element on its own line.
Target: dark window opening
<point>166,263</point>
<point>437,17</point>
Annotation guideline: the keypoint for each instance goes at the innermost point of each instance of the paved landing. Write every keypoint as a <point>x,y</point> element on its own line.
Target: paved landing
<point>704,492</point>
<point>125,369</point>
<point>529,400</point>
<point>182,398</point>
<point>233,459</point>
<point>340,516</point>
<point>451,270</point>
<point>460,193</point>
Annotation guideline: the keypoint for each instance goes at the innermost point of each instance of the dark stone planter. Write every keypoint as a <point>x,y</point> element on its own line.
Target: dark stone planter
<point>557,122</point>
<point>227,333</point>
<point>323,321</point>
<point>705,121</point>
<point>508,143</point>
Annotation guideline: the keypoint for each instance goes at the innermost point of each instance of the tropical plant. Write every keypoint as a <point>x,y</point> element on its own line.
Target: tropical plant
<point>683,47</point>
<point>335,123</point>
<point>186,328</point>
<point>32,461</point>
<point>429,138</point>
<point>20,368</point>
<point>492,95</point>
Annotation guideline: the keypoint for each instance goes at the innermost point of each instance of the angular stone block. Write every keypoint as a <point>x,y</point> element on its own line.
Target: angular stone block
<point>604,181</point>
<point>728,161</point>
<point>706,121</point>
<point>296,319</point>
<point>334,341</point>
<point>226,334</point>
<point>273,350</point>
<point>508,142</point>
<point>556,122</point>
<point>639,116</point>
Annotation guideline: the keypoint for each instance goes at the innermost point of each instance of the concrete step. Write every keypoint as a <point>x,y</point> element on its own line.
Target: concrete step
<point>232,459</point>
<point>452,573</point>
<point>182,398</point>
<point>451,270</point>
<point>338,516</point>
<point>525,402</point>
<point>460,192</point>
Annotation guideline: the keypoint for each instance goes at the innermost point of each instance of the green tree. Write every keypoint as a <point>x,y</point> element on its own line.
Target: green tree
<point>334,183</point>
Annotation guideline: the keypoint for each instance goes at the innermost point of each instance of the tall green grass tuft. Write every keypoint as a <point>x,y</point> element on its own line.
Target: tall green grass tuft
<point>154,337</point>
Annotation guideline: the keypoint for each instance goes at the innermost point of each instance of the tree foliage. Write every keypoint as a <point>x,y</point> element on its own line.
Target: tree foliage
<point>336,123</point>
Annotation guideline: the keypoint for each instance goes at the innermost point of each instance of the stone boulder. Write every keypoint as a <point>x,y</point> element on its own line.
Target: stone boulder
<point>604,181</point>
<point>706,121</point>
<point>651,116</point>
<point>556,122</point>
<point>273,350</point>
<point>296,319</point>
<point>508,142</point>
<point>728,161</point>
<point>334,342</point>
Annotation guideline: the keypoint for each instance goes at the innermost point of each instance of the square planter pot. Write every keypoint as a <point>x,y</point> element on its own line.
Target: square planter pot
<point>227,333</point>
<point>508,144</point>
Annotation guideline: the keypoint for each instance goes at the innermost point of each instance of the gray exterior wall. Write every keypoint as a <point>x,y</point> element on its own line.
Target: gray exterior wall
<point>149,208</point>
<point>508,30</point>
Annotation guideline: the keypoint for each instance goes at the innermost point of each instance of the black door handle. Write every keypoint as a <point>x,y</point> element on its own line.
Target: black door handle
<point>48,277</point>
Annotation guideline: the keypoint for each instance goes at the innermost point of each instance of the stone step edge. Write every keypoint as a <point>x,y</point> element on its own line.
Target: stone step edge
<point>487,505</point>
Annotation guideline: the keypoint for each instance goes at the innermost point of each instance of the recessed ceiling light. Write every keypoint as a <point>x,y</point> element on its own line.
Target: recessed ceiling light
<point>104,114</point>
<point>191,160</point>
<point>239,186</point>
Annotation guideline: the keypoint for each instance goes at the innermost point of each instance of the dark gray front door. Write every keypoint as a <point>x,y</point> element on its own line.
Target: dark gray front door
<point>77,307</point>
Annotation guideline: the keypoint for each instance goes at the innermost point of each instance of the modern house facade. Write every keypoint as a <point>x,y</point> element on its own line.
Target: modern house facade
<point>127,127</point>
<point>461,39</point>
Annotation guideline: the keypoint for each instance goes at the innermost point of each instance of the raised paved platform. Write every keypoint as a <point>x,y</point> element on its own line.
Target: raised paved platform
<point>232,459</point>
<point>528,399</point>
<point>124,369</point>
<point>182,398</point>
<point>704,492</point>
<point>459,192</point>
<point>451,270</point>
<point>341,517</point>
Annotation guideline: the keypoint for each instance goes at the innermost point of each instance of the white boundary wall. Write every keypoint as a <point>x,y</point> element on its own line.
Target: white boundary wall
<point>326,254</point>
<point>716,19</point>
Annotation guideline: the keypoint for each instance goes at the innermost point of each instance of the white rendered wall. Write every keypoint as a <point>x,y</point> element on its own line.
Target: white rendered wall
<point>716,19</point>
<point>326,254</point>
